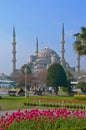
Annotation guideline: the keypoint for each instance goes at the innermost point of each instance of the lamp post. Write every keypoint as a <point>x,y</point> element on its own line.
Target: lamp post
<point>25,71</point>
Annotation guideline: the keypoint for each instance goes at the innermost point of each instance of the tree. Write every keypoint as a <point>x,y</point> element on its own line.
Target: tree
<point>21,77</point>
<point>79,45</point>
<point>82,85</point>
<point>14,75</point>
<point>28,69</point>
<point>41,76</point>
<point>21,80</point>
<point>69,75</point>
<point>56,77</point>
<point>80,42</point>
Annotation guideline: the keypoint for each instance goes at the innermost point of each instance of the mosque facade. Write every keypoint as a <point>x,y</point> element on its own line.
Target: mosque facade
<point>42,59</point>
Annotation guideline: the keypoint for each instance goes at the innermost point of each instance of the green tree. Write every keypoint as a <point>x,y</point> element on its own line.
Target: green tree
<point>79,45</point>
<point>80,42</point>
<point>81,85</point>
<point>69,75</point>
<point>27,67</point>
<point>21,77</point>
<point>56,77</point>
<point>21,80</point>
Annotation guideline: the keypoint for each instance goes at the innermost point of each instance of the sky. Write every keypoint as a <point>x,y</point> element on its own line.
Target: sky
<point>42,19</point>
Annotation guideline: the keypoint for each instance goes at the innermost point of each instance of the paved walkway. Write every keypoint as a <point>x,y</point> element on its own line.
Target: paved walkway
<point>9,111</point>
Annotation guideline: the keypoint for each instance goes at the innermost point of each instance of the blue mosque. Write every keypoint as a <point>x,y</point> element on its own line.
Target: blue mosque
<point>42,59</point>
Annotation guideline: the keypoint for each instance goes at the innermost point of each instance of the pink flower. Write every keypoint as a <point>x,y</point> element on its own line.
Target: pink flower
<point>6,113</point>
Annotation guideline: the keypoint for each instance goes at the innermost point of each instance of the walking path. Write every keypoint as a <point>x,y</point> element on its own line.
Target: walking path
<point>9,111</point>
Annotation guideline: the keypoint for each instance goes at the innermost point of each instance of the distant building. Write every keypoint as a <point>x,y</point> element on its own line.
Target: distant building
<point>5,82</point>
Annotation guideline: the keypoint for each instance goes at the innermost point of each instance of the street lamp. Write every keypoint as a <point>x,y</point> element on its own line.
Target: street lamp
<point>25,71</point>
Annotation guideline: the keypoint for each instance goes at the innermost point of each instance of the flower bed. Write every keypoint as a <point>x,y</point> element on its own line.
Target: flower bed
<point>35,119</point>
<point>80,96</point>
<point>56,105</point>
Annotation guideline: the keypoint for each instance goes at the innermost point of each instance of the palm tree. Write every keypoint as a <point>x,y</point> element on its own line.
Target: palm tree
<point>79,45</point>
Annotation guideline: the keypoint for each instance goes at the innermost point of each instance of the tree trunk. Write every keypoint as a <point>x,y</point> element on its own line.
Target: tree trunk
<point>56,89</point>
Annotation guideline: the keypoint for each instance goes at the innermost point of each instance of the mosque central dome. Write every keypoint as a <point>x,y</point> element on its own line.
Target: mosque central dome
<point>46,52</point>
<point>43,59</point>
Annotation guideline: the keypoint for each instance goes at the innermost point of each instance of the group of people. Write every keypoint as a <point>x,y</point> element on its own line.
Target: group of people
<point>39,90</point>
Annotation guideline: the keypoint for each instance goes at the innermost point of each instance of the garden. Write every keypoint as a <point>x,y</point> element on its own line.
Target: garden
<point>43,113</point>
<point>46,119</point>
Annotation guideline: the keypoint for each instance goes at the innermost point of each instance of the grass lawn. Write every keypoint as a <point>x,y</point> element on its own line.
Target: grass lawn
<point>15,102</point>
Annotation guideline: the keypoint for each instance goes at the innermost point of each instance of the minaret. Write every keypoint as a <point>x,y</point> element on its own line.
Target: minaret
<point>37,46</point>
<point>14,51</point>
<point>78,63</point>
<point>62,60</point>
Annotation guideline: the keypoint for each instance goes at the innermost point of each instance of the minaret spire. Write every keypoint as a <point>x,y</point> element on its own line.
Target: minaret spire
<point>13,33</point>
<point>37,46</point>
<point>62,60</point>
<point>14,51</point>
<point>63,41</point>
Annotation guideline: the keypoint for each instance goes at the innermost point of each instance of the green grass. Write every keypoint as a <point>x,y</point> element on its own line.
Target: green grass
<point>32,98</point>
<point>15,102</point>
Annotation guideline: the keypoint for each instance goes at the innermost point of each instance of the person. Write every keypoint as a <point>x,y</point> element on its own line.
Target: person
<point>50,90</point>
